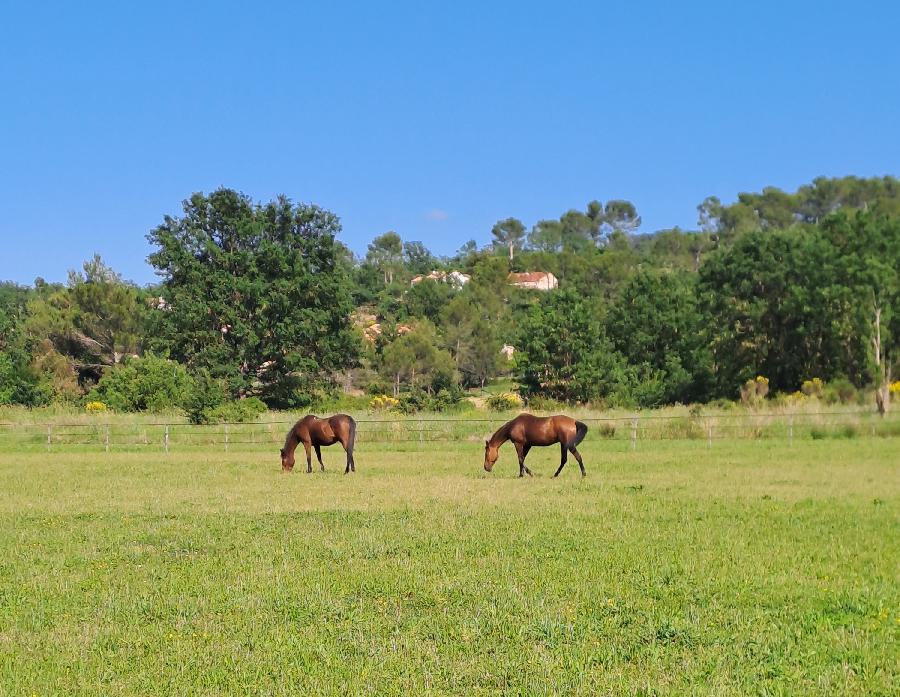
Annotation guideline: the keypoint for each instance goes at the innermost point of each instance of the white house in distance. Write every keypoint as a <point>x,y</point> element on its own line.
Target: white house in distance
<point>535,280</point>
<point>457,279</point>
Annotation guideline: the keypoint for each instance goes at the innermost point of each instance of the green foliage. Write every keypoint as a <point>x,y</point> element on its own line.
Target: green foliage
<point>416,400</point>
<point>427,299</point>
<point>413,360</point>
<point>149,383</point>
<point>508,234</point>
<point>206,396</point>
<point>238,411</point>
<point>563,352</point>
<point>654,324</point>
<point>19,384</point>
<point>258,295</point>
<point>386,254</point>
<point>503,401</point>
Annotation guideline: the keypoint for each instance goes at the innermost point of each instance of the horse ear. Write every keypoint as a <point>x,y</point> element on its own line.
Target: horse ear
<point>282,452</point>
<point>486,441</point>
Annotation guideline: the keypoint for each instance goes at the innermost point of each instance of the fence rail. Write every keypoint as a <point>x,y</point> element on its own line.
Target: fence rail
<point>630,429</point>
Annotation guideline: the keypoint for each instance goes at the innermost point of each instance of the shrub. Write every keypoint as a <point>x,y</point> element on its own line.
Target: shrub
<point>839,391</point>
<point>19,385</point>
<point>238,411</point>
<point>606,430</point>
<point>384,403</point>
<point>812,388</point>
<point>419,400</point>
<point>143,384</point>
<point>755,390</point>
<point>95,408</point>
<point>204,399</point>
<point>504,401</point>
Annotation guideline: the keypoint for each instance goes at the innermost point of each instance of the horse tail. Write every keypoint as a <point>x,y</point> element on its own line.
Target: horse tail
<point>581,430</point>
<point>352,438</point>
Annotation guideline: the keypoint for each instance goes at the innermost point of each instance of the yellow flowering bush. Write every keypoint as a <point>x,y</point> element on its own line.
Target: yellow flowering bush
<point>95,407</point>
<point>895,387</point>
<point>504,401</point>
<point>384,403</point>
<point>813,388</point>
<point>755,390</point>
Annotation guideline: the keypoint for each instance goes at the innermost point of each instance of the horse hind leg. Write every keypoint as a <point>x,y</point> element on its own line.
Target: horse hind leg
<point>524,455</point>
<point>580,461</point>
<point>564,455</point>
<point>319,457</point>
<point>522,451</point>
<point>306,446</point>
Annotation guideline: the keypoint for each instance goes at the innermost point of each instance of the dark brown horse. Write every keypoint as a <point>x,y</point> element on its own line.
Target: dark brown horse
<point>314,432</point>
<point>526,430</point>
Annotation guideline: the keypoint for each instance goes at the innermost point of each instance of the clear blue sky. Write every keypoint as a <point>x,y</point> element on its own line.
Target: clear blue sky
<point>432,121</point>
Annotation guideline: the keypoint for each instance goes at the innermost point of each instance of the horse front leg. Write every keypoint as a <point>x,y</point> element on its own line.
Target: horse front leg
<point>308,458</point>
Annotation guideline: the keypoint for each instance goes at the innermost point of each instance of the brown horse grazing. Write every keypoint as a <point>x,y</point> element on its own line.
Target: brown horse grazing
<point>314,432</point>
<point>526,430</point>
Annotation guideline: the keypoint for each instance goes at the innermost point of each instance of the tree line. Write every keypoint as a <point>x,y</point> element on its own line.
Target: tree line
<point>260,304</point>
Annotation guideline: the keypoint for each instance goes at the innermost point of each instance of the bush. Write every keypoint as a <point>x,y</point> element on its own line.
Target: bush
<point>606,430</point>
<point>812,388</point>
<point>205,398</point>
<point>504,401</point>
<point>144,384</point>
<point>238,411</point>
<point>384,403</point>
<point>420,400</point>
<point>839,391</point>
<point>95,408</point>
<point>754,391</point>
<point>19,385</point>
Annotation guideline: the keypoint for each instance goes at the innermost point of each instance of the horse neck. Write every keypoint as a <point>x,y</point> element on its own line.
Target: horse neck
<point>500,436</point>
<point>290,443</point>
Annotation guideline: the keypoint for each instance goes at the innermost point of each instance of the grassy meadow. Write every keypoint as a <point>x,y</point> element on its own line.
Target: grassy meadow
<point>750,567</point>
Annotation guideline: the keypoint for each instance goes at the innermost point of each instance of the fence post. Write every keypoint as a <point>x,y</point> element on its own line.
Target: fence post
<point>106,439</point>
<point>791,430</point>
<point>166,438</point>
<point>226,438</point>
<point>708,433</point>
<point>49,435</point>
<point>634,425</point>
<point>421,431</point>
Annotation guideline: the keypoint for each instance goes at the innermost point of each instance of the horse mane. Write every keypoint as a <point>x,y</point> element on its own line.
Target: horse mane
<point>501,435</point>
<point>291,441</point>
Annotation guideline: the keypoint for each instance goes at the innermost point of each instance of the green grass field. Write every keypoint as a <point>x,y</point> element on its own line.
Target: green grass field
<point>748,568</point>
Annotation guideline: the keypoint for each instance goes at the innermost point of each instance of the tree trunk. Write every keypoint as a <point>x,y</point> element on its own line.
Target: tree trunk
<point>882,373</point>
<point>511,245</point>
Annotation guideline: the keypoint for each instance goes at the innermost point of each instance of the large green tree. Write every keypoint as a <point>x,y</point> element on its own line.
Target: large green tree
<point>563,352</point>
<point>654,324</point>
<point>257,294</point>
<point>385,253</point>
<point>510,234</point>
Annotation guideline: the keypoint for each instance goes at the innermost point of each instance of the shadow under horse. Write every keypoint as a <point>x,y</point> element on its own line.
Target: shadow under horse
<point>527,430</point>
<point>314,432</point>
